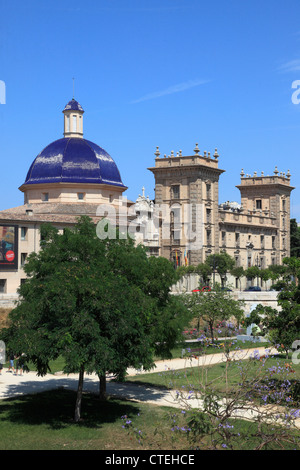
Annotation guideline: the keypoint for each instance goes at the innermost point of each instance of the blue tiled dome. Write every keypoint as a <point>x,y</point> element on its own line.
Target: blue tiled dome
<point>74,160</point>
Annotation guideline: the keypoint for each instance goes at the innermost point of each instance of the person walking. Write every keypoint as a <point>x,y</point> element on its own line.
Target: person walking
<point>20,363</point>
<point>11,363</point>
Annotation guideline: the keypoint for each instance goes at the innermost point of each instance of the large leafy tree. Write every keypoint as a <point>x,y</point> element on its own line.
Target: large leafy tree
<point>101,304</point>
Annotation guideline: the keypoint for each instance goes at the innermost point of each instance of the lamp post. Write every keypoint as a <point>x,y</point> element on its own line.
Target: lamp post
<point>258,265</point>
<point>249,247</point>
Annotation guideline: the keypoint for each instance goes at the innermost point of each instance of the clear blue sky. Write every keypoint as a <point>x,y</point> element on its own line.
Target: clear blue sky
<point>149,73</point>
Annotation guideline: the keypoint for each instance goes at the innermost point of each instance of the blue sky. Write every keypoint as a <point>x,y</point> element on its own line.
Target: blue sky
<point>149,73</point>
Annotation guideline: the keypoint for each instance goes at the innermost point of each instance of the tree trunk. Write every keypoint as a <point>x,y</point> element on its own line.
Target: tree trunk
<point>102,387</point>
<point>79,396</point>
<point>211,331</point>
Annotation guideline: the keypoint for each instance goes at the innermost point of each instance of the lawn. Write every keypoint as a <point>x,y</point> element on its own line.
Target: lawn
<point>58,364</point>
<point>195,378</point>
<point>44,422</point>
<point>217,347</point>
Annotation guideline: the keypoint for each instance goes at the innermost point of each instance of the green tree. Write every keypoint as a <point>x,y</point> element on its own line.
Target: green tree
<point>204,270</point>
<point>101,304</point>
<point>265,274</point>
<point>295,238</point>
<point>238,272</point>
<point>222,263</point>
<point>213,307</point>
<point>252,272</point>
<point>292,265</point>
<point>283,324</point>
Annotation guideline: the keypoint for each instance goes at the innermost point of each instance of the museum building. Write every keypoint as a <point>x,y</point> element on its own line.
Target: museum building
<point>73,176</point>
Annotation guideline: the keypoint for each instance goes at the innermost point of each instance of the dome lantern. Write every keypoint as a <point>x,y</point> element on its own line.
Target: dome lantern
<point>73,119</point>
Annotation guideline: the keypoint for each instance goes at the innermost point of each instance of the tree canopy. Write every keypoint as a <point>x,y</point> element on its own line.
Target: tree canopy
<point>103,305</point>
<point>295,238</point>
<point>283,324</point>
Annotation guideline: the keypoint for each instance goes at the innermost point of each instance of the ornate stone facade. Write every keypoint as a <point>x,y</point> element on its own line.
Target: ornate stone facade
<point>255,231</point>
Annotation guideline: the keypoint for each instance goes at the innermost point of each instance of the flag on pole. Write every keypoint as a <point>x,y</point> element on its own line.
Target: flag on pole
<point>176,258</point>
<point>185,258</point>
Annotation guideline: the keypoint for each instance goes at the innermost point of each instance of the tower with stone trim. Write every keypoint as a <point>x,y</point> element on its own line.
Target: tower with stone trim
<point>188,186</point>
<point>265,201</point>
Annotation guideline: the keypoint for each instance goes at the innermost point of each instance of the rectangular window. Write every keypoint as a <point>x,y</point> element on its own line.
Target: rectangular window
<point>68,123</point>
<point>258,204</point>
<point>23,258</point>
<point>74,123</point>
<point>208,215</point>
<point>208,191</point>
<point>80,196</point>
<point>176,191</point>
<point>45,197</point>
<point>208,237</point>
<point>175,237</point>
<point>24,233</point>
<point>2,286</point>
<point>273,242</point>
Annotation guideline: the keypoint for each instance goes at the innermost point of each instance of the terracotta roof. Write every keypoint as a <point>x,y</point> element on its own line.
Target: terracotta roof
<point>51,212</point>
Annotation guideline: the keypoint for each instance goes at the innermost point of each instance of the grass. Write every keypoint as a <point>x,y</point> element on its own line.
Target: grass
<point>44,422</point>
<point>177,351</point>
<point>194,377</point>
<point>58,364</point>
